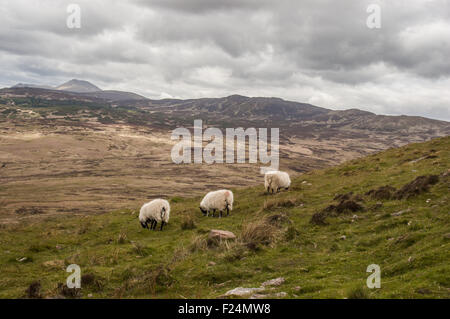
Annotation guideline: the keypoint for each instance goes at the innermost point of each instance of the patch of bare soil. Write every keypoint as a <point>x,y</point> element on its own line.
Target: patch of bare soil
<point>382,193</point>
<point>420,185</point>
<point>29,211</point>
<point>278,219</point>
<point>348,203</point>
<point>66,292</point>
<point>34,290</point>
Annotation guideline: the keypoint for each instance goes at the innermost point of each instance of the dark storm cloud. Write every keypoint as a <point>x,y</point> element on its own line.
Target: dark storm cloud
<point>317,51</point>
<point>204,6</point>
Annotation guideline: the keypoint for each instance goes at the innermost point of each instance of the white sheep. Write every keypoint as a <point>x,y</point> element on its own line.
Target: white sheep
<point>158,210</point>
<point>275,180</point>
<point>221,200</point>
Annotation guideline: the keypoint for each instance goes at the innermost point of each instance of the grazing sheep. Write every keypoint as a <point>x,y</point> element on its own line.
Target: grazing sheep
<point>275,180</point>
<point>158,210</point>
<point>220,200</point>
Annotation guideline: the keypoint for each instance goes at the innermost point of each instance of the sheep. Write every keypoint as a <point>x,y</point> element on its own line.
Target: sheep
<point>158,210</point>
<point>275,180</point>
<point>220,200</point>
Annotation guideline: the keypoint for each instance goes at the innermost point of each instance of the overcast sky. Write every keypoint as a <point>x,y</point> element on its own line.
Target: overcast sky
<point>318,51</point>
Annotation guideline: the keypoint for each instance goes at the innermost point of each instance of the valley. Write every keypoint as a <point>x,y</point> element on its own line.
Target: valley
<point>67,153</point>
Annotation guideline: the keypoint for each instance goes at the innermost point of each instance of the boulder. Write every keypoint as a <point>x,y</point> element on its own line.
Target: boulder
<point>273,282</point>
<point>242,292</point>
<point>221,234</point>
<point>401,212</point>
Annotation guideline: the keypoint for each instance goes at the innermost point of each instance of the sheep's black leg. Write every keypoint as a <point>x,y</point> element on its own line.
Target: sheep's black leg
<point>228,211</point>
<point>162,224</point>
<point>268,190</point>
<point>214,213</point>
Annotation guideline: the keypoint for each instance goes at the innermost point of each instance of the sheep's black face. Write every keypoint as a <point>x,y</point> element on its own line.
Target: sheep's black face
<point>203,211</point>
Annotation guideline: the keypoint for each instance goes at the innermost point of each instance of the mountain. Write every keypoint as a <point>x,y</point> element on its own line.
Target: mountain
<point>78,86</point>
<point>82,87</point>
<point>27,85</point>
<point>296,118</point>
<point>250,108</point>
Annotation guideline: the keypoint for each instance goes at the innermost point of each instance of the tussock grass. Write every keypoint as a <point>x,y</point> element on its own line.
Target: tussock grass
<point>258,233</point>
<point>358,292</point>
<point>187,223</point>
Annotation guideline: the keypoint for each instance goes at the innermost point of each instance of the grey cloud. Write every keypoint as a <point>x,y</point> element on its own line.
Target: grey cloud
<point>204,6</point>
<point>313,51</point>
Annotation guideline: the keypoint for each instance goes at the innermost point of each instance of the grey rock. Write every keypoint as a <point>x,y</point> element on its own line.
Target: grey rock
<point>221,234</point>
<point>242,292</point>
<point>273,282</point>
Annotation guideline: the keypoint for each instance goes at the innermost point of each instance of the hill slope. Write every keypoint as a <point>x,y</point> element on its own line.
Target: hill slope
<point>27,85</point>
<point>408,238</point>
<point>293,118</point>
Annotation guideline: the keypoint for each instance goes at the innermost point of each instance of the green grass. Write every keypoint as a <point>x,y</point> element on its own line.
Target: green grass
<point>412,249</point>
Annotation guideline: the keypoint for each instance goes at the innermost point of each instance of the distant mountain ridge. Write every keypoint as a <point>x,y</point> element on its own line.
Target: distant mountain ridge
<point>85,88</point>
<point>296,118</point>
<point>35,86</point>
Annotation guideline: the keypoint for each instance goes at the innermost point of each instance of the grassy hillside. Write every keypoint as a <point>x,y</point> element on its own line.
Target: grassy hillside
<point>275,239</point>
